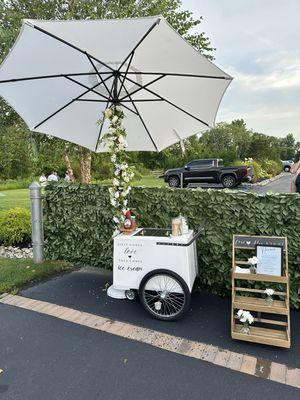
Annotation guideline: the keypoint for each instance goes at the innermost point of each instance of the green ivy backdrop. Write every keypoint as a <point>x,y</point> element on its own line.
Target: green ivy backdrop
<point>78,225</point>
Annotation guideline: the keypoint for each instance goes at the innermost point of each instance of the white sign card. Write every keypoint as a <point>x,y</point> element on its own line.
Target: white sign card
<point>269,260</point>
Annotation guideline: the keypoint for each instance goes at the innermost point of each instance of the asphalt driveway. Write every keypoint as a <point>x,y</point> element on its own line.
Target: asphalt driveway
<point>281,185</point>
<point>51,359</point>
<point>208,320</point>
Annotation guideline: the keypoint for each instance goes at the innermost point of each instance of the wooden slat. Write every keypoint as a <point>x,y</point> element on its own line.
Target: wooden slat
<point>260,277</point>
<point>268,321</point>
<point>259,304</point>
<point>241,262</point>
<point>240,289</point>
<point>261,335</point>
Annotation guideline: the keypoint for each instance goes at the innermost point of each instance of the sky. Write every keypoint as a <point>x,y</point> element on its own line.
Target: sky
<point>258,43</point>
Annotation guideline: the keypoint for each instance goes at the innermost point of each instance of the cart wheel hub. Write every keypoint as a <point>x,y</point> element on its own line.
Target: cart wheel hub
<point>163,294</point>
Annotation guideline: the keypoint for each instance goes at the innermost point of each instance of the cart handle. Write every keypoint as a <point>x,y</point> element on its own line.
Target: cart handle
<point>196,234</point>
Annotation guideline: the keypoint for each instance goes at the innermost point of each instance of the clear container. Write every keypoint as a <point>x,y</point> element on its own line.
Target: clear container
<point>185,226</point>
<point>176,226</point>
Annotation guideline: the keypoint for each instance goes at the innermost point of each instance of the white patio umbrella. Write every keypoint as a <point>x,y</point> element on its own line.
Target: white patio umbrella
<point>60,76</point>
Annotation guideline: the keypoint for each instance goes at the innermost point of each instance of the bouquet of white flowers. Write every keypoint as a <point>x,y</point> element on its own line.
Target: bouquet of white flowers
<point>246,318</point>
<point>252,262</point>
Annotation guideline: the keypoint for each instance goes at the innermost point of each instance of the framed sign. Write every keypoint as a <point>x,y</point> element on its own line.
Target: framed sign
<point>270,259</point>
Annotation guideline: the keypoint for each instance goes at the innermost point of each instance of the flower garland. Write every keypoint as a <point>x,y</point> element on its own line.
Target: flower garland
<point>116,142</point>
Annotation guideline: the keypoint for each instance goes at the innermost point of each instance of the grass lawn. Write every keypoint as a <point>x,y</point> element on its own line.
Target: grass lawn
<point>16,273</point>
<point>20,197</point>
<point>14,198</point>
<point>150,181</point>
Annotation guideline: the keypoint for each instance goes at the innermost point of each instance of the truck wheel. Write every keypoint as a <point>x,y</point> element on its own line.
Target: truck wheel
<point>174,181</point>
<point>287,168</point>
<point>165,295</point>
<point>228,181</point>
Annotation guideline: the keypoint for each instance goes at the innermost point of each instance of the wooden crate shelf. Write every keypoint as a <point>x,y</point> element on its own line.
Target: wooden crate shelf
<point>261,278</point>
<point>259,304</point>
<point>251,299</point>
<point>267,336</point>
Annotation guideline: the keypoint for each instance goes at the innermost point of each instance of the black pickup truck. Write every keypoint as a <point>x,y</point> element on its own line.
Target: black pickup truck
<point>207,171</point>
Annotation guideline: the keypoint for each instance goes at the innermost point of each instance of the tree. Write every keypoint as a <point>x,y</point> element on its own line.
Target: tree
<point>13,11</point>
<point>287,147</point>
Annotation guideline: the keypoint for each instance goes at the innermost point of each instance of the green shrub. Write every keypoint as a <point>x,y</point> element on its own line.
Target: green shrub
<point>79,225</point>
<point>272,167</point>
<point>15,226</point>
<point>262,171</point>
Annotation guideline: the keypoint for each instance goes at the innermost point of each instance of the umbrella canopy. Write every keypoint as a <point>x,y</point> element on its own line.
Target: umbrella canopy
<point>60,76</point>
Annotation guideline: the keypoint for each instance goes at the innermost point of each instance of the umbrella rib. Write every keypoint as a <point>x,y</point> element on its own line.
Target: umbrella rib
<point>183,75</point>
<point>98,73</point>
<point>69,103</point>
<point>51,76</point>
<point>70,45</point>
<point>127,69</point>
<point>86,87</point>
<point>168,101</point>
<point>140,41</point>
<point>139,115</point>
<point>140,100</point>
<point>141,86</point>
<point>93,100</point>
<point>128,108</point>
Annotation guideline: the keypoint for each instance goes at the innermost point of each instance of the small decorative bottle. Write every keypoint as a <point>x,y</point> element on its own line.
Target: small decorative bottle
<point>128,220</point>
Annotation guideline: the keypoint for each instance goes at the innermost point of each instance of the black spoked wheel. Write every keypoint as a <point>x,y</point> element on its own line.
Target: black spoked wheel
<point>165,295</point>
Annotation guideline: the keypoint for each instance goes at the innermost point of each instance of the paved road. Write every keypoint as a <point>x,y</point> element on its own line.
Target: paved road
<point>282,185</point>
<point>50,359</point>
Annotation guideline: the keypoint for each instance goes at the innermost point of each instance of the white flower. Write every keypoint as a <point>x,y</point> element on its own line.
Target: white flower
<point>108,113</point>
<point>113,202</point>
<point>116,220</point>
<point>117,195</point>
<point>123,166</point>
<point>116,182</point>
<point>126,179</point>
<point>245,316</point>
<point>115,119</point>
<point>117,172</point>
<point>113,158</point>
<point>269,292</point>
<point>125,202</point>
<point>253,260</point>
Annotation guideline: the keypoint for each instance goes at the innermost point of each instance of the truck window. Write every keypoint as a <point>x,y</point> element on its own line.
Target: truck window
<point>199,164</point>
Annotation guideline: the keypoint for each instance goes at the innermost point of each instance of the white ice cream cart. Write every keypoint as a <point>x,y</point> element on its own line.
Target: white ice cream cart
<point>159,267</point>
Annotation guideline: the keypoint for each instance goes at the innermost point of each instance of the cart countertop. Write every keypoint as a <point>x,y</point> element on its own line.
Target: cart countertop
<point>137,235</point>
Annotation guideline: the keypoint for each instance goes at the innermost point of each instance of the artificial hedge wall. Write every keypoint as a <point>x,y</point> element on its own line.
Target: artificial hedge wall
<point>78,225</point>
